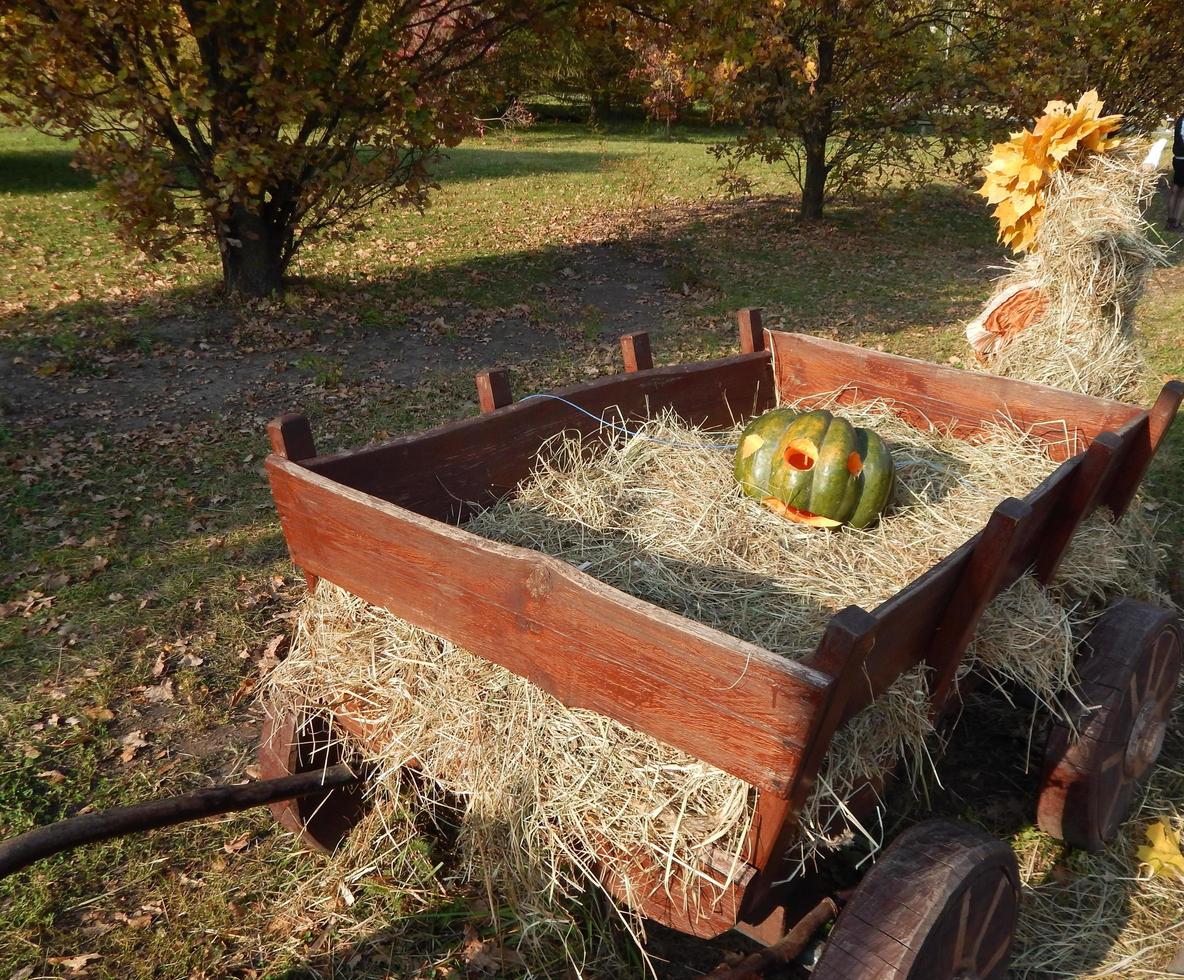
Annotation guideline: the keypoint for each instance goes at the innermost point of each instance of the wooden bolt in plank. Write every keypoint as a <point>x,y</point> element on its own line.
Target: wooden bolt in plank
<point>291,437</point>
<point>1089,480</point>
<point>752,331</point>
<point>1134,468</point>
<point>635,349</point>
<point>493,389</point>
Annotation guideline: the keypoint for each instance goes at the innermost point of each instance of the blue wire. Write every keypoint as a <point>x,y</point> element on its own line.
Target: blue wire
<point>621,428</point>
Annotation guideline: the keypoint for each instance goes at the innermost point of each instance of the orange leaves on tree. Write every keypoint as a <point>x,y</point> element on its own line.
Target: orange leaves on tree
<point>1020,169</point>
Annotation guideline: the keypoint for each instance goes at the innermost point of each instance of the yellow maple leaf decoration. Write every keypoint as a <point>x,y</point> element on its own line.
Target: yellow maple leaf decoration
<point>1162,857</point>
<point>1020,169</point>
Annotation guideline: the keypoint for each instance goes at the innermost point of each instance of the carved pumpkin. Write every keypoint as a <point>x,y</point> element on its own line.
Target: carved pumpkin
<point>815,469</point>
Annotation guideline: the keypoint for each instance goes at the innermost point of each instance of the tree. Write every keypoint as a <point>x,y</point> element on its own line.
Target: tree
<point>604,50</point>
<point>1129,50</point>
<point>832,88</point>
<point>258,123</point>
<point>836,88</point>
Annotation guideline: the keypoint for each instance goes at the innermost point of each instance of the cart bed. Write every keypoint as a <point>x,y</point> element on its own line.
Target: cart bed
<point>382,522</point>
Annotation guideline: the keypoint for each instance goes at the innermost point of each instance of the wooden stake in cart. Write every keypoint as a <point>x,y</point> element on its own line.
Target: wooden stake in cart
<point>942,901</point>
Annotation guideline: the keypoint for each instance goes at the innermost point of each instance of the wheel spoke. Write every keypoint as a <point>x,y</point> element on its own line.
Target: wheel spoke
<point>986,968</point>
<point>989,918</point>
<point>1136,690</point>
<point>963,923</point>
<point>1112,760</point>
<point>1160,663</point>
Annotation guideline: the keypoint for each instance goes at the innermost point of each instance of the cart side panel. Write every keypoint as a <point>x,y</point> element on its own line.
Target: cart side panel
<point>444,471</point>
<point>909,621</point>
<point>730,703</point>
<point>906,624</point>
<point>925,393</point>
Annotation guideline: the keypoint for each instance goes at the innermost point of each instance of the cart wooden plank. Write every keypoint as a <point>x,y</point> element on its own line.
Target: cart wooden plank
<point>730,703</point>
<point>963,401</point>
<point>445,472</point>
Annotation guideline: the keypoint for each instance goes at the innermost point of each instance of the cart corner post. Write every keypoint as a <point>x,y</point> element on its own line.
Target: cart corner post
<point>1093,473</point>
<point>983,577</point>
<point>841,654</point>
<point>752,331</point>
<point>1150,434</point>
<point>493,390</point>
<point>636,353</point>
<point>291,437</point>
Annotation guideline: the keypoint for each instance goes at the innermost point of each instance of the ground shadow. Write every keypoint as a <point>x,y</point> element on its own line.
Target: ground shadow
<point>41,172</point>
<point>471,162</point>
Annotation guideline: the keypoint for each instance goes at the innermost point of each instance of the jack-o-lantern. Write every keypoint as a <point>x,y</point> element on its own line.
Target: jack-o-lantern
<point>815,469</point>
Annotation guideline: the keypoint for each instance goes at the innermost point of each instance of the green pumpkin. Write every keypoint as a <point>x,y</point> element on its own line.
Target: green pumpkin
<point>815,469</point>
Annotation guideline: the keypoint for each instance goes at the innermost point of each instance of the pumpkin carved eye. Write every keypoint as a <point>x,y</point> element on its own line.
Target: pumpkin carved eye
<point>801,455</point>
<point>854,464</point>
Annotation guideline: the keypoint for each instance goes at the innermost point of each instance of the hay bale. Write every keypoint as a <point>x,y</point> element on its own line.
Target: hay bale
<point>659,516</point>
<point>1092,259</point>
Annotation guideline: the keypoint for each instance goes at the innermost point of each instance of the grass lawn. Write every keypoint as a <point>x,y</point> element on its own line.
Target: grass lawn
<point>143,579</point>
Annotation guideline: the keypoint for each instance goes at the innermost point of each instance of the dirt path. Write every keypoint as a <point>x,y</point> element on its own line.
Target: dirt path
<point>195,371</point>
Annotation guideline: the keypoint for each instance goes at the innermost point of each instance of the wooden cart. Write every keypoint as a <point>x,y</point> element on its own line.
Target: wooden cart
<point>386,523</point>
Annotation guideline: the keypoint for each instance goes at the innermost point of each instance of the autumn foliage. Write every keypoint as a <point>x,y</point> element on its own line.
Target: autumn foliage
<point>253,123</point>
<point>1020,169</point>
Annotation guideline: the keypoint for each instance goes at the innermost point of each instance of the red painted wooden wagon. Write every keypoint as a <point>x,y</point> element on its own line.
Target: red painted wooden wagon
<point>386,523</point>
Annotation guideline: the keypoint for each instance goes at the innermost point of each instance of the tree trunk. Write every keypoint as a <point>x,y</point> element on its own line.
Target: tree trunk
<point>253,255</point>
<point>600,105</point>
<point>814,186</point>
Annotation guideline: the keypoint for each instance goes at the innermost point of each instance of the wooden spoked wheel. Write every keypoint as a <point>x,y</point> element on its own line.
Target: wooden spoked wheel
<point>294,742</point>
<point>1129,672</point>
<point>940,904</point>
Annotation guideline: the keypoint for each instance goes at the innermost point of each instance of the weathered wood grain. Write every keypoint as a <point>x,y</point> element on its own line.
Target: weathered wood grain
<point>291,437</point>
<point>924,394</point>
<point>685,902</point>
<point>1091,478</point>
<point>979,583</point>
<point>1145,443</point>
<point>752,331</point>
<point>730,703</point>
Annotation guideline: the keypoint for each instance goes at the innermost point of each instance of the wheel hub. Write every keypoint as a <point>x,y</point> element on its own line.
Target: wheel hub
<point>1146,739</point>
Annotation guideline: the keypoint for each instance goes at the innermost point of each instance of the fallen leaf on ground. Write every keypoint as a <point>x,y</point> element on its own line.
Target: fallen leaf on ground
<point>160,692</point>
<point>1162,857</point>
<point>245,687</point>
<point>271,656</point>
<point>132,742</point>
<point>238,844</point>
<point>487,956</point>
<point>73,963</point>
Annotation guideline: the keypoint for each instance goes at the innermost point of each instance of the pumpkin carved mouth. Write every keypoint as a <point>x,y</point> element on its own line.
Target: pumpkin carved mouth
<point>797,515</point>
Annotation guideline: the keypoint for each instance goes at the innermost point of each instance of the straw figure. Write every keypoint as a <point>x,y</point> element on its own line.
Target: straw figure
<point>1070,198</point>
